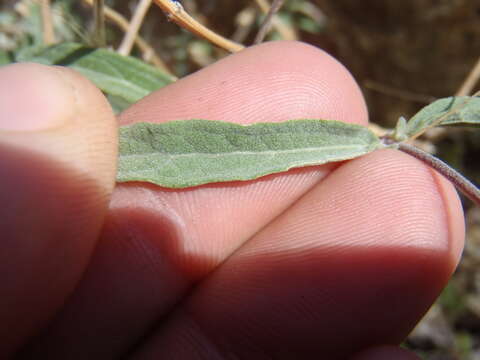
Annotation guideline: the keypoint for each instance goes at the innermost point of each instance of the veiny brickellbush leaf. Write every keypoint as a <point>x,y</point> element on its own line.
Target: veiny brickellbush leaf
<point>193,152</point>
<point>460,110</point>
<point>120,76</point>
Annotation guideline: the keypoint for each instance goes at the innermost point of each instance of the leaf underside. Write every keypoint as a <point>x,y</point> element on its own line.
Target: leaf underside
<point>188,153</point>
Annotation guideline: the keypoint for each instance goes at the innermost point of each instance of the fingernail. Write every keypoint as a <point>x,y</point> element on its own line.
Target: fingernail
<point>34,97</point>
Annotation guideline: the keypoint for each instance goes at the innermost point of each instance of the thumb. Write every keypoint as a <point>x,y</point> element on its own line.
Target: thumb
<point>58,146</point>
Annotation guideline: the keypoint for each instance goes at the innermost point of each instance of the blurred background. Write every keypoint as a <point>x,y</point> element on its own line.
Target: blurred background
<point>404,54</point>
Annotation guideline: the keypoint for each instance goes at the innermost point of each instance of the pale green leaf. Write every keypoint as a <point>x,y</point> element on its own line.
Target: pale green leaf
<point>399,134</point>
<point>193,152</point>
<point>460,110</point>
<point>118,104</point>
<point>121,76</point>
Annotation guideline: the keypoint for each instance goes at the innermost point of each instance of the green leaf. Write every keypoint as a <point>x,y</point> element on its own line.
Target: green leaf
<point>459,110</point>
<point>399,134</point>
<point>5,57</point>
<point>193,152</point>
<point>121,76</point>
<point>118,104</point>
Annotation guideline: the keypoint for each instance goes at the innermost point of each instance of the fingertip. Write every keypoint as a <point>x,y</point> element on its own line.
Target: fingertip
<point>33,98</point>
<point>375,230</point>
<point>274,81</point>
<point>427,205</point>
<point>58,144</point>
<point>57,112</point>
<point>454,217</point>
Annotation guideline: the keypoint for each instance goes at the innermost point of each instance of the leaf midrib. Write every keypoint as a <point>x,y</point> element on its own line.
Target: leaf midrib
<point>266,152</point>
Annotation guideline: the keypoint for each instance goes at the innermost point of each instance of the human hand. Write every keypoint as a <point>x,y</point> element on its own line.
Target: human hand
<point>329,262</point>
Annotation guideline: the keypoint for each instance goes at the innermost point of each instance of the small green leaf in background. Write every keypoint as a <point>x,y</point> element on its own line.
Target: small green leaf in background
<point>123,77</point>
<point>118,104</point>
<point>465,110</point>
<point>5,58</point>
<point>399,134</point>
<point>187,153</point>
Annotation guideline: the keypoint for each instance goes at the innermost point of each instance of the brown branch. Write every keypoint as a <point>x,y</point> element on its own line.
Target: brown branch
<point>99,30</point>
<point>148,53</point>
<point>267,22</point>
<point>398,93</point>
<point>47,23</point>
<point>470,81</point>
<point>286,32</point>
<point>139,15</point>
<point>177,14</point>
<point>457,179</point>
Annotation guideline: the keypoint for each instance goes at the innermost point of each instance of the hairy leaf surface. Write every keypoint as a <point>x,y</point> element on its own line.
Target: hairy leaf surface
<point>187,153</point>
<point>459,110</point>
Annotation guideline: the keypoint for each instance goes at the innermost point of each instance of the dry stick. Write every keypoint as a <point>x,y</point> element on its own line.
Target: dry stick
<point>99,32</point>
<point>470,81</point>
<point>462,183</point>
<point>137,20</point>
<point>148,52</point>
<point>267,23</point>
<point>398,93</point>
<point>47,23</point>
<point>177,14</point>
<point>286,32</point>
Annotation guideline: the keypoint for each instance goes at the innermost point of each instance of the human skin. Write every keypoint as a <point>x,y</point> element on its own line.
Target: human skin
<point>327,262</point>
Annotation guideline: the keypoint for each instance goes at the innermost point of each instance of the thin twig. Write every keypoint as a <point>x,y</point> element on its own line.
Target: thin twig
<point>286,32</point>
<point>132,32</point>
<point>457,179</point>
<point>177,14</point>
<point>398,93</point>
<point>267,22</point>
<point>148,52</point>
<point>470,80</point>
<point>47,23</point>
<point>99,30</point>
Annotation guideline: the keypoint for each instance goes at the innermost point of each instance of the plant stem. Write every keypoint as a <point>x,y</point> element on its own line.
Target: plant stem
<point>148,53</point>
<point>177,14</point>
<point>99,30</point>
<point>461,183</point>
<point>286,32</point>
<point>47,23</point>
<point>470,81</point>
<point>398,93</point>
<point>268,22</point>
<point>134,26</point>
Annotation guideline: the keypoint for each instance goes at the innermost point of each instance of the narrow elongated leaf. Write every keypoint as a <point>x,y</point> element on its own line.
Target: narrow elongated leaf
<point>193,152</point>
<point>459,110</point>
<point>121,76</point>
